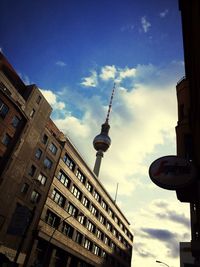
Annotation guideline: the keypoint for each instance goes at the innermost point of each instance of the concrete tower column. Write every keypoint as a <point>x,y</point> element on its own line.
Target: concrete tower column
<point>99,156</point>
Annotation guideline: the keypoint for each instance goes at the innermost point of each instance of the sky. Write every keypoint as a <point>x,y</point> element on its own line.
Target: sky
<point>74,51</point>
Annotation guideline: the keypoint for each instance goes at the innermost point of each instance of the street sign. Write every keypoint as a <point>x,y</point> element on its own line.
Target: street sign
<point>172,172</point>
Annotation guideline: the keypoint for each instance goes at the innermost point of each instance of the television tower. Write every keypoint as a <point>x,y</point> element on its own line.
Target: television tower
<point>102,141</point>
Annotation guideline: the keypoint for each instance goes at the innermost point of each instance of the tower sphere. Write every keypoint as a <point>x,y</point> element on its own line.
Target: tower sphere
<point>101,142</point>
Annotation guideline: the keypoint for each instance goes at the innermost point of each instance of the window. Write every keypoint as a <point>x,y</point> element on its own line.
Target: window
<point>90,226</point>
<point>110,212</point>
<point>52,219</point>
<point>24,188</point>
<point>3,109</point>
<point>104,255</point>
<point>113,246</point>
<point>102,219</point>
<point>69,162</point>
<point>67,229</point>
<point>80,176</point>
<point>44,139</point>
<point>107,240</point>
<point>96,195</point>
<point>89,187</point>
<point>78,238</point>
<point>99,234</point>
<point>32,113</point>
<point>86,202</point>
<point>72,210</point>
<point>120,237</point>
<point>104,205</point>
<point>35,197</point>
<point>15,121</point>
<point>114,232</point>
<point>64,179</point>
<point>96,250</point>
<point>48,163</point>
<point>38,153</point>
<point>87,244</point>
<point>42,179</point>
<point>82,219</point>
<point>109,226</point>
<point>53,148</point>
<point>93,210</point>
<point>6,139</point>
<point>32,170</point>
<point>38,99</point>
<point>116,219</point>
<point>76,192</point>
<point>58,198</point>
<point>125,243</point>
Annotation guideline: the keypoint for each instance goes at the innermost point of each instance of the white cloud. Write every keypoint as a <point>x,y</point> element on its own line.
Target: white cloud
<point>145,24</point>
<point>164,13</point>
<point>108,72</point>
<point>90,81</point>
<point>61,63</point>
<point>127,73</point>
<point>157,237</point>
<point>52,98</point>
<point>1,49</point>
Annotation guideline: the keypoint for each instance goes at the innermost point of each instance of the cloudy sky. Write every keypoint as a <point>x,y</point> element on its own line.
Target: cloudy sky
<point>74,50</point>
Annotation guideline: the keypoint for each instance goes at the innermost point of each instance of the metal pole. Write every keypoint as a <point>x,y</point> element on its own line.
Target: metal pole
<point>116,193</point>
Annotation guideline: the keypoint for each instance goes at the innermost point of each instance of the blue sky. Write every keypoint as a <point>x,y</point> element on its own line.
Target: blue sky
<point>74,50</point>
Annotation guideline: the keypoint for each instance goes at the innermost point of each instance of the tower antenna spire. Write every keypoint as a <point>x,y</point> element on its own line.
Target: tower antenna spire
<point>110,104</point>
<point>102,141</point>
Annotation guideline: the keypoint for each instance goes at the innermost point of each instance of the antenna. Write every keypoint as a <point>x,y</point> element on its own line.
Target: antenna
<point>110,104</point>
<point>116,193</point>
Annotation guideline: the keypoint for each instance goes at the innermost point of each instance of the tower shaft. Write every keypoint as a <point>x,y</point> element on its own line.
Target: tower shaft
<point>97,165</point>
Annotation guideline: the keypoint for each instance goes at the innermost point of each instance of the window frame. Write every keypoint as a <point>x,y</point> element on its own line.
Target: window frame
<point>76,192</point>
<point>38,153</point>
<point>15,121</point>
<point>58,198</point>
<point>35,196</point>
<point>48,163</point>
<point>64,179</point>
<point>53,148</point>
<point>6,139</point>
<point>42,179</point>
<point>4,109</point>
<point>69,162</point>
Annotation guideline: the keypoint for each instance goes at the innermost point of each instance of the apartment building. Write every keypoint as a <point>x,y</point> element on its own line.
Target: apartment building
<point>80,224</point>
